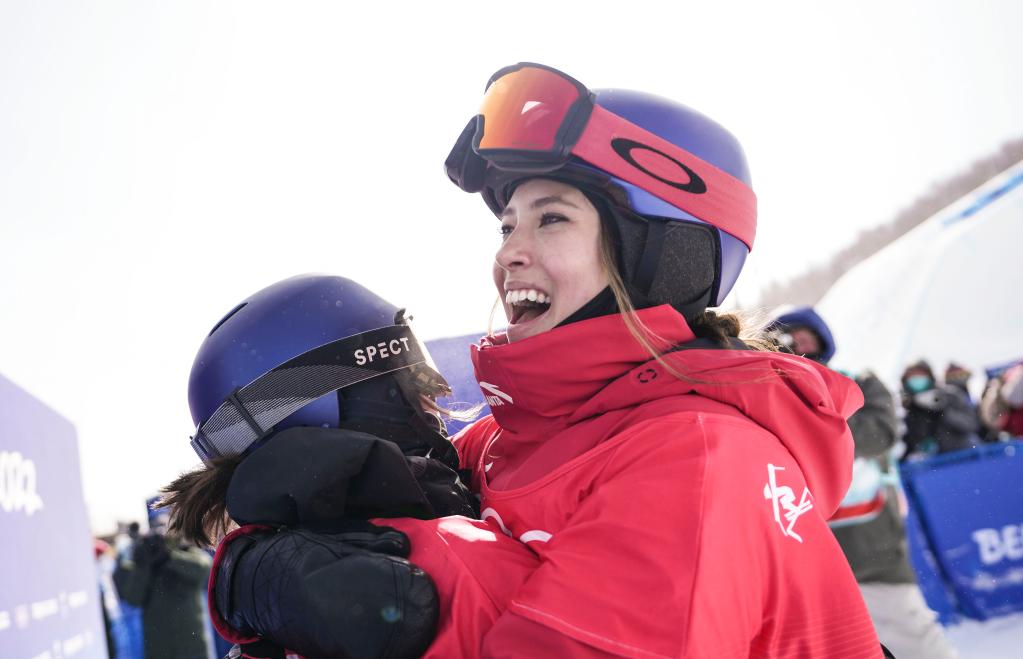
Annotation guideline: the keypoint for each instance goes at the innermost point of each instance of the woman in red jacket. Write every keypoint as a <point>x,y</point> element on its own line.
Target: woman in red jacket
<point>672,481</point>
<point>650,484</point>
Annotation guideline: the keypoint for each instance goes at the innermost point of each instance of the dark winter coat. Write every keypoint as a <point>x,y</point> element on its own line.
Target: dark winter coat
<point>952,424</point>
<point>876,549</point>
<point>173,618</point>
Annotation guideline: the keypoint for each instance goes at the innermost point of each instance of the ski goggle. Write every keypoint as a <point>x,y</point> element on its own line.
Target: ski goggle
<point>535,119</point>
<point>249,413</point>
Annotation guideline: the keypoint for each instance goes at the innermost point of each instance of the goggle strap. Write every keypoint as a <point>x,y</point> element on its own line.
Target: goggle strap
<point>250,413</point>
<point>713,195</point>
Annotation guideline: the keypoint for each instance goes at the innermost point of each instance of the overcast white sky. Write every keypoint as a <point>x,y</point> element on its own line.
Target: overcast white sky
<point>160,161</point>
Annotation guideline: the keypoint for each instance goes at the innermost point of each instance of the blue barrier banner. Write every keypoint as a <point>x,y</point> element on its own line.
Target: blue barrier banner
<point>970,508</point>
<point>49,598</point>
<point>936,592</point>
<point>451,355</point>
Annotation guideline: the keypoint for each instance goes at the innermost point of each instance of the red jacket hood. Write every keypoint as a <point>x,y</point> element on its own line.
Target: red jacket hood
<point>560,378</point>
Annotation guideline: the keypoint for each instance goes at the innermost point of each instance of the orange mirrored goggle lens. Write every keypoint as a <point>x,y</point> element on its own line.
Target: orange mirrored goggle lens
<point>525,108</point>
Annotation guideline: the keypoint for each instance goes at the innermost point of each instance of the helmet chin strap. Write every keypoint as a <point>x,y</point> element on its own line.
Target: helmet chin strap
<point>650,258</point>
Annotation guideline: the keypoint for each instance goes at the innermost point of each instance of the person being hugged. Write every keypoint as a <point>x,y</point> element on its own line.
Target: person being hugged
<point>316,414</point>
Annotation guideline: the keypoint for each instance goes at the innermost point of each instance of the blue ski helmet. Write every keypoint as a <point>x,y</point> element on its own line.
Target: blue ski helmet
<point>702,137</point>
<point>666,254</point>
<point>279,358</point>
<point>806,317</point>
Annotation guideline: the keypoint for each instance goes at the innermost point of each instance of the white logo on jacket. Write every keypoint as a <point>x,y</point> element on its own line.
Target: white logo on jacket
<point>496,397</point>
<point>536,535</point>
<point>783,502</point>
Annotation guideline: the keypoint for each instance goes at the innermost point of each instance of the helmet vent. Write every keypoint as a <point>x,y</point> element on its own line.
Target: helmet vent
<point>224,319</point>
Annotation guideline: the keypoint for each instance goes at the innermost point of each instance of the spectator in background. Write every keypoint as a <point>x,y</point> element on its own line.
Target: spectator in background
<point>108,598</point>
<point>1001,408</point>
<point>131,615</point>
<point>868,524</point>
<point>958,376</point>
<point>939,418</point>
<point>171,584</point>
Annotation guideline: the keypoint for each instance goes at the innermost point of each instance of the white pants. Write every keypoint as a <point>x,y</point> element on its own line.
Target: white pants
<point>904,623</point>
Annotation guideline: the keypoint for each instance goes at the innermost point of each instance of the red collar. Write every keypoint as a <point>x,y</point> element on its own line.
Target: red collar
<point>541,386</point>
<point>542,380</point>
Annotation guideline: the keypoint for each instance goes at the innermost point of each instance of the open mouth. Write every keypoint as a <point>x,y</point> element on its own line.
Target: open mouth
<point>527,304</point>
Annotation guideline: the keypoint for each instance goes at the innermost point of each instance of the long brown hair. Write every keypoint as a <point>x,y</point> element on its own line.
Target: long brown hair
<point>198,501</point>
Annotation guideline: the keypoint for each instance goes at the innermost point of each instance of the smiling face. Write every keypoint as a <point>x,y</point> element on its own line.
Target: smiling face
<point>549,263</point>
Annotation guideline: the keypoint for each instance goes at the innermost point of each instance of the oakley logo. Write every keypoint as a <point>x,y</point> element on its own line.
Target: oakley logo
<point>495,397</point>
<point>783,501</point>
<point>18,484</point>
<point>629,149</point>
<point>382,350</point>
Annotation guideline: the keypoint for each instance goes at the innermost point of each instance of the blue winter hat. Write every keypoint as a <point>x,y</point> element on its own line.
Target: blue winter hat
<point>808,318</point>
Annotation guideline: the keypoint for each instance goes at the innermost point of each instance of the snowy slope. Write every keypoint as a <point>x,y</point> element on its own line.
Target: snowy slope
<point>1000,638</point>
<point>947,290</point>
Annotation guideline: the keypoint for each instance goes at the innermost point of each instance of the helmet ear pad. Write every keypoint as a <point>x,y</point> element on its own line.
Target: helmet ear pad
<point>664,260</point>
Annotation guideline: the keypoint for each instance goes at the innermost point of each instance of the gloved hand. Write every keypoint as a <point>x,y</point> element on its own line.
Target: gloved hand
<point>443,487</point>
<point>330,596</point>
<point>354,476</point>
<point>932,399</point>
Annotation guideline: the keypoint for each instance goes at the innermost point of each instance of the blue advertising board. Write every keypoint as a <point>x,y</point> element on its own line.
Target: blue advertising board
<point>969,505</point>
<point>936,592</point>
<point>451,355</point>
<point>49,601</point>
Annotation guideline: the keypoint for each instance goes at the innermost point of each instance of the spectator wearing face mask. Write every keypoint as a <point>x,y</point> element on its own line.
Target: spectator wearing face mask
<point>939,417</point>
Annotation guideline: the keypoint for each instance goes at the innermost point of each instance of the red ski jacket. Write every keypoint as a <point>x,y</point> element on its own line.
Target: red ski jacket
<point>630,512</point>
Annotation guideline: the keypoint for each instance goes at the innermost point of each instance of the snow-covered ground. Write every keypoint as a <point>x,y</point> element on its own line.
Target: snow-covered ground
<point>921,296</point>
<point>999,638</point>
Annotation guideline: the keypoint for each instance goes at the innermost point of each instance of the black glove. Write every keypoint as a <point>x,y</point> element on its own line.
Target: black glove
<point>256,650</point>
<point>329,596</point>
<point>444,488</point>
<point>317,478</point>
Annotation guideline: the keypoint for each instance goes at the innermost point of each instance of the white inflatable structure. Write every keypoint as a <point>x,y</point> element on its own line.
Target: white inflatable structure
<point>949,290</point>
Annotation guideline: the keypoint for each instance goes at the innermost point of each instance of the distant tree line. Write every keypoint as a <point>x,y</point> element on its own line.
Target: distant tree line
<point>810,286</point>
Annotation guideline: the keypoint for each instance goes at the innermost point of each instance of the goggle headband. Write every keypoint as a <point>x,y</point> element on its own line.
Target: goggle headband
<point>533,119</point>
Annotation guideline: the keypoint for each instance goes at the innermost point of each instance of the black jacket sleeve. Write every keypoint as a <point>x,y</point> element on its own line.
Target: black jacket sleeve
<point>874,426</point>
<point>327,596</point>
<point>959,414</point>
